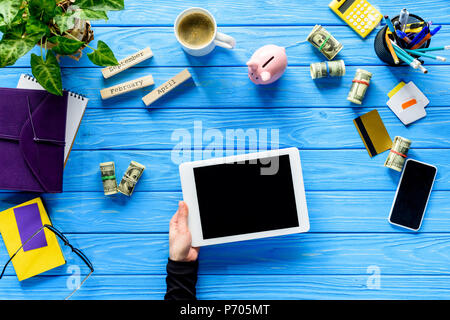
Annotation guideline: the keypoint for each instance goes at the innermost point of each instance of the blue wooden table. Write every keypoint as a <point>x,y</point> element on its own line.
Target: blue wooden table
<point>349,194</point>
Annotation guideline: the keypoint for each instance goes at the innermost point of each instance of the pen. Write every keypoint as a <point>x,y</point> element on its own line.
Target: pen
<point>419,36</point>
<point>423,54</point>
<point>428,36</point>
<point>410,60</point>
<point>403,36</point>
<point>391,27</point>
<point>403,19</point>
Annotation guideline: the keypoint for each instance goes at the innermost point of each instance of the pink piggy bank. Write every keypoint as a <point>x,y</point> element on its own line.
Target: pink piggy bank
<point>267,64</point>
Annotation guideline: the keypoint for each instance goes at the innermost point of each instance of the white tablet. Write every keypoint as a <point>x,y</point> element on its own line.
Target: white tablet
<point>245,197</point>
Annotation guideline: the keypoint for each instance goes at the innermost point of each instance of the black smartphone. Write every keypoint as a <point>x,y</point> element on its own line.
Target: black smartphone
<point>412,195</point>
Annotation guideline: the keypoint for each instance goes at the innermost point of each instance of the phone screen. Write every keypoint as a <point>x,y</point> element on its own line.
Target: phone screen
<point>412,195</point>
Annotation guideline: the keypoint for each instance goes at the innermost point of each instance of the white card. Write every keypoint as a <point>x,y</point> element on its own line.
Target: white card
<point>407,95</point>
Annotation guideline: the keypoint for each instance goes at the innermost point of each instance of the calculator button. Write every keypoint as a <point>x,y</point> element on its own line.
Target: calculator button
<point>348,17</point>
<point>355,16</point>
<point>359,20</point>
<point>358,13</point>
<point>377,16</point>
<point>358,5</point>
<point>371,17</point>
<point>362,16</point>
<point>365,19</point>
<point>366,12</point>
<point>363,30</point>
<point>362,23</point>
<point>351,20</point>
<point>365,4</point>
<point>369,23</point>
<point>358,27</point>
<point>355,24</point>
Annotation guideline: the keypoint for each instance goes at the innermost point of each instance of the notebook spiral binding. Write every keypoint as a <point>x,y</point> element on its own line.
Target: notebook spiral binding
<point>71,93</point>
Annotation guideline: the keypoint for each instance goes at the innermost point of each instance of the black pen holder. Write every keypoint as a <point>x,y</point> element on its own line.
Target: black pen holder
<point>381,48</point>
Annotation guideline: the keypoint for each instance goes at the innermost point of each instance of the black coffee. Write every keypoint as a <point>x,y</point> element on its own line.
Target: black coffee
<point>196,30</point>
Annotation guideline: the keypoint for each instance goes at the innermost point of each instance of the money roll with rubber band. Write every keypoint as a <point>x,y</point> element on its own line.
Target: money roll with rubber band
<point>324,69</point>
<point>397,156</point>
<point>359,86</point>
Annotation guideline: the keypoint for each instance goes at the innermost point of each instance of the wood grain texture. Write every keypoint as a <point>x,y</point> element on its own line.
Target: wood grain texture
<point>329,211</point>
<point>167,52</point>
<point>311,253</point>
<point>218,87</point>
<point>322,169</point>
<point>265,12</point>
<point>314,128</point>
<point>234,287</point>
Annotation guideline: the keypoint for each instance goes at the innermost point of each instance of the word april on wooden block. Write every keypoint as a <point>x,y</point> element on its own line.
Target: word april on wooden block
<point>127,87</point>
<point>166,87</point>
<point>128,62</point>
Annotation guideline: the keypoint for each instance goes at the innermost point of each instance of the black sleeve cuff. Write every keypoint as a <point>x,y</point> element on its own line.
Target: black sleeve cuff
<point>181,280</point>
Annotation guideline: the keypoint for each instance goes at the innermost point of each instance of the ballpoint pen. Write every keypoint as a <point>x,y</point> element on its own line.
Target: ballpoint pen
<point>428,36</point>
<point>419,36</point>
<point>391,27</point>
<point>423,54</point>
<point>403,36</point>
<point>402,54</point>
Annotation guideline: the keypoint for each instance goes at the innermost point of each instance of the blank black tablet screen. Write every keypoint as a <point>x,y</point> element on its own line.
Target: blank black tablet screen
<point>246,197</point>
<point>412,196</point>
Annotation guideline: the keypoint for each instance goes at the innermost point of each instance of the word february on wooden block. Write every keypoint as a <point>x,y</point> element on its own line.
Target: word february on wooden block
<point>166,87</point>
<point>128,62</point>
<point>127,87</point>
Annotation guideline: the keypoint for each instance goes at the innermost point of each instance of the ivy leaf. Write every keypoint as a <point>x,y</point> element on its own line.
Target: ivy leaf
<point>65,22</point>
<point>12,49</point>
<point>8,11</point>
<point>42,9</point>
<point>101,5</point>
<point>88,14</point>
<point>103,56</point>
<point>65,46</point>
<point>47,73</point>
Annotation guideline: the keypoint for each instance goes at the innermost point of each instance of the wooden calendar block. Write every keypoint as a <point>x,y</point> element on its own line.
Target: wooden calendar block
<point>128,62</point>
<point>166,87</point>
<point>127,87</point>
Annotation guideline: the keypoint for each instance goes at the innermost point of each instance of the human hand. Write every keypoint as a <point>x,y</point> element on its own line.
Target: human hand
<point>180,239</point>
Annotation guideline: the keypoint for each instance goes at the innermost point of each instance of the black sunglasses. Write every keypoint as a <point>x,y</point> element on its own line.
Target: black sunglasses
<point>78,252</point>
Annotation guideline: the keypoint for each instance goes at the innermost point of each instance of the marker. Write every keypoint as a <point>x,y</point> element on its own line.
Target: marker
<point>403,19</point>
<point>435,30</point>
<point>423,54</point>
<point>419,36</point>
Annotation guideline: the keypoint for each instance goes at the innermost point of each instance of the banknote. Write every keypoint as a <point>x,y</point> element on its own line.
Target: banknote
<point>359,86</point>
<point>108,172</point>
<point>324,41</point>
<point>130,178</point>
<point>397,157</point>
<point>323,69</point>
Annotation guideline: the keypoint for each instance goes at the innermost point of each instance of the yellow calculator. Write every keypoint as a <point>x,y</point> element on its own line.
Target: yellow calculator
<point>359,14</point>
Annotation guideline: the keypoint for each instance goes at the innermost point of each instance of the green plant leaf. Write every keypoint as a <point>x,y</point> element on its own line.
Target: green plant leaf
<point>8,11</point>
<point>88,14</point>
<point>47,73</point>
<point>65,22</point>
<point>36,29</point>
<point>101,5</point>
<point>42,9</point>
<point>65,46</point>
<point>12,49</point>
<point>103,56</point>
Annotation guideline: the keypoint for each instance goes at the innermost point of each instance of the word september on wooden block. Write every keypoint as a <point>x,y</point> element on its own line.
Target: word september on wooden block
<point>128,62</point>
<point>127,87</point>
<point>166,87</point>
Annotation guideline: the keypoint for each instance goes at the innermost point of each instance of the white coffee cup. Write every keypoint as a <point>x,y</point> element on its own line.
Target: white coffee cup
<point>219,39</point>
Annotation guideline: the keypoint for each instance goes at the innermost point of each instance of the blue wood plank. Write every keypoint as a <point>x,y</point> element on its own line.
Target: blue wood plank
<point>262,12</point>
<point>230,87</point>
<point>167,52</point>
<point>233,287</point>
<point>305,128</point>
<point>311,253</point>
<point>330,211</point>
<point>322,169</point>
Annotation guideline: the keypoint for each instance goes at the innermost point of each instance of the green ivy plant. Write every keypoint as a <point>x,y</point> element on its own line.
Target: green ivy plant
<point>50,24</point>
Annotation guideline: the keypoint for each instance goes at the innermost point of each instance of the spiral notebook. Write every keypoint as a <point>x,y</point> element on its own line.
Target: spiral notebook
<point>76,106</point>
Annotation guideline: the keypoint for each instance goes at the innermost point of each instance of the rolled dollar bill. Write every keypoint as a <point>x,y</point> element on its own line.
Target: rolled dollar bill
<point>397,156</point>
<point>324,41</point>
<point>327,68</point>
<point>359,86</point>
<point>108,172</point>
<point>130,178</point>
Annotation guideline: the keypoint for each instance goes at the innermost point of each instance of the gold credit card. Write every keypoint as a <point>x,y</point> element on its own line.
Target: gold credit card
<point>373,133</point>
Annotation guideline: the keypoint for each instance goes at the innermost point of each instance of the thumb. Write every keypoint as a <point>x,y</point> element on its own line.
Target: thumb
<point>183,215</point>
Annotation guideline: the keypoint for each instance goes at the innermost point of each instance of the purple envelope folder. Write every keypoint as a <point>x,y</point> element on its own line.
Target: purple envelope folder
<point>32,139</point>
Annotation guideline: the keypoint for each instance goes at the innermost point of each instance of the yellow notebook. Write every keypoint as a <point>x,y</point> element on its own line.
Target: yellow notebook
<point>34,261</point>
